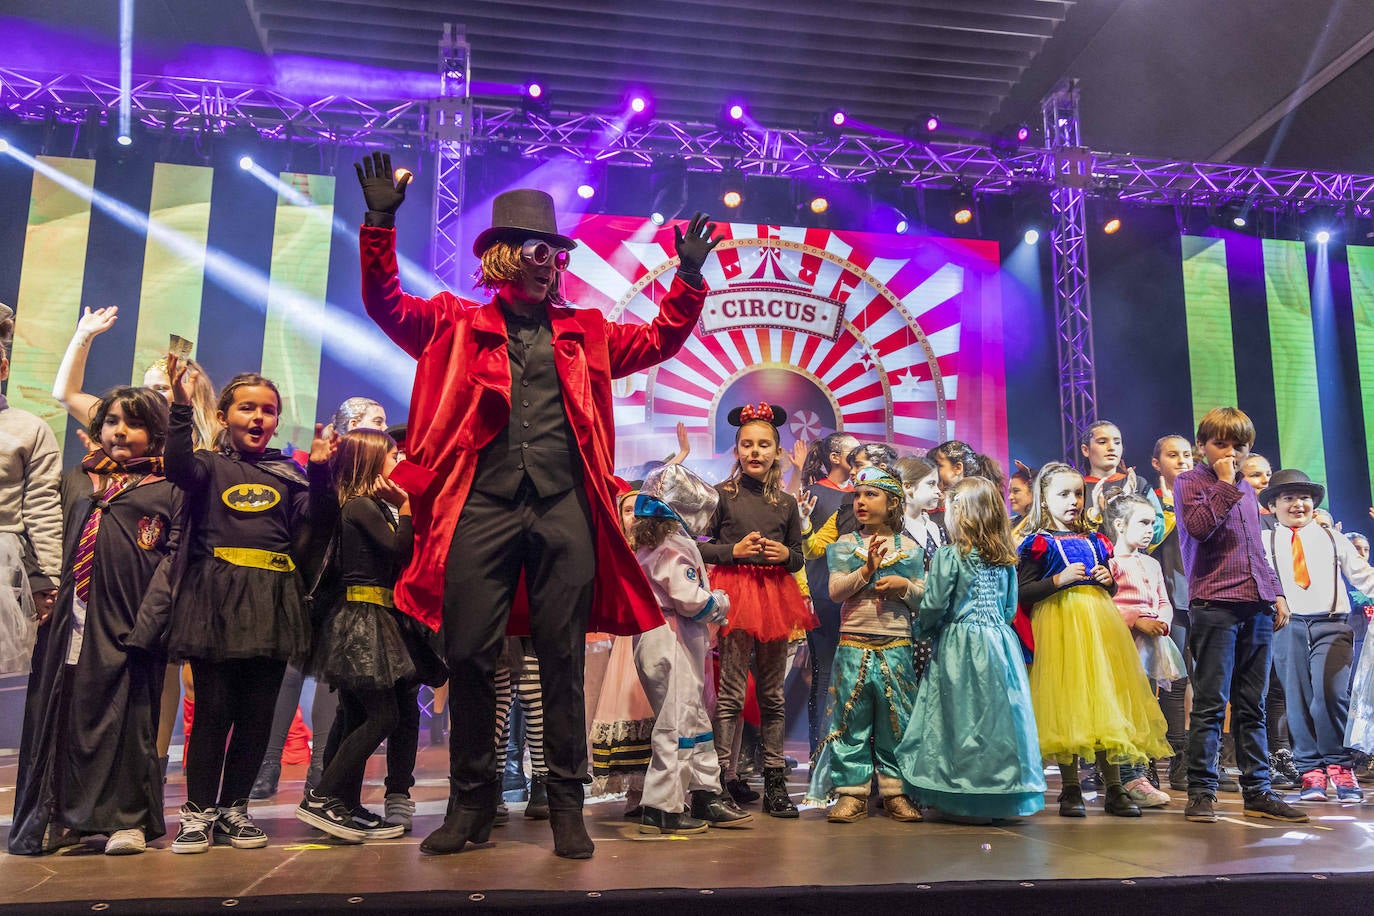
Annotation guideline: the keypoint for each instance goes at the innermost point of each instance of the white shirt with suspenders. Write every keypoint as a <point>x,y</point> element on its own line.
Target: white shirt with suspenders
<point>1329,555</point>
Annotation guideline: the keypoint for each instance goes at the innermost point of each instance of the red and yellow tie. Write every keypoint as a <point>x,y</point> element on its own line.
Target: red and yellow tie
<point>85,548</point>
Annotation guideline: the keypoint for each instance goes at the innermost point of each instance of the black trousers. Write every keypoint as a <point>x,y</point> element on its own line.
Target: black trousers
<point>364,720</point>
<point>550,541</point>
<point>235,696</point>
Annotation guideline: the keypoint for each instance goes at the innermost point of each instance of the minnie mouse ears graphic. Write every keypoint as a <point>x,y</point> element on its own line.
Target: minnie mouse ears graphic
<point>769,413</point>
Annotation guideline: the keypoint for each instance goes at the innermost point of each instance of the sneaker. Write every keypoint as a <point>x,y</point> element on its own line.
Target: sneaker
<point>373,825</point>
<point>1347,788</point>
<point>400,810</point>
<point>1314,786</point>
<point>235,828</point>
<point>196,829</point>
<point>1146,795</point>
<point>329,815</point>
<point>1270,805</point>
<point>1200,809</point>
<point>127,842</point>
<point>1282,773</point>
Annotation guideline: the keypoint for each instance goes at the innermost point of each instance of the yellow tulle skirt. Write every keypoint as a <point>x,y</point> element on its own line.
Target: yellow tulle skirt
<point>1087,685</point>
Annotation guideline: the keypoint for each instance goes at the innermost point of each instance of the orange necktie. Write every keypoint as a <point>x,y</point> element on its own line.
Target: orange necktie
<point>1300,575</point>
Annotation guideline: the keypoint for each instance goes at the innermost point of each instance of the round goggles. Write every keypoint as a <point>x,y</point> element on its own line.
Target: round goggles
<point>539,252</point>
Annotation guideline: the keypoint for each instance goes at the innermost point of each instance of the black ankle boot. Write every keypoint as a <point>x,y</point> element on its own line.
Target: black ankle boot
<point>265,786</point>
<point>460,827</point>
<point>739,790</point>
<point>776,802</point>
<point>1119,803</point>
<point>570,840</point>
<point>538,807</point>
<point>718,810</point>
<point>1071,802</point>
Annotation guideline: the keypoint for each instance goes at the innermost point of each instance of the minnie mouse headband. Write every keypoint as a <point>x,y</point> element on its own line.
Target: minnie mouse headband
<point>749,413</point>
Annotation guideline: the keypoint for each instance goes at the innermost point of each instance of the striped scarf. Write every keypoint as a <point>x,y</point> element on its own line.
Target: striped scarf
<point>120,477</point>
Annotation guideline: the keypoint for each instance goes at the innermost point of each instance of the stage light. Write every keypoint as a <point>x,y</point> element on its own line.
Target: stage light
<point>1112,225</point>
<point>732,187</point>
<point>1238,221</point>
<point>534,90</point>
<point>731,116</point>
<point>638,104</point>
<point>657,218</point>
<point>1032,237</point>
<point>1322,237</point>
<point>1022,133</point>
<point>246,163</point>
<point>929,122</point>
<point>964,215</point>
<point>736,112</point>
<point>903,224</point>
<point>124,140</point>
<point>668,189</point>
<point>586,191</point>
<point>534,97</point>
<point>819,205</point>
<point>732,199</point>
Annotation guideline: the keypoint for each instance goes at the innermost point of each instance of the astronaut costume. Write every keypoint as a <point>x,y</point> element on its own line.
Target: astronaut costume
<point>672,660</point>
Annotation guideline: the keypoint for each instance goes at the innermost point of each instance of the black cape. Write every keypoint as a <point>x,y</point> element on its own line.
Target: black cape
<point>88,760</point>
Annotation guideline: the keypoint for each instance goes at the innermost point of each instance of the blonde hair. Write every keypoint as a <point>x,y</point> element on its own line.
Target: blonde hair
<point>980,522</point>
<point>359,461</point>
<point>501,264</point>
<point>772,481</point>
<point>205,428</point>
<point>1038,518</point>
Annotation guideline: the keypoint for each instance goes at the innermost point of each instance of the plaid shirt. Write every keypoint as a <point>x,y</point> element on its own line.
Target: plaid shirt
<point>1219,535</point>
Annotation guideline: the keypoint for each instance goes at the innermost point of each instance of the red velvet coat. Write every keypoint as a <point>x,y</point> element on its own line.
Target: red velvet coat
<point>461,401</point>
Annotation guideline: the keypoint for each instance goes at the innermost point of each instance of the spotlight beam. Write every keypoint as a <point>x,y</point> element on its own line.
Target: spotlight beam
<point>357,343</point>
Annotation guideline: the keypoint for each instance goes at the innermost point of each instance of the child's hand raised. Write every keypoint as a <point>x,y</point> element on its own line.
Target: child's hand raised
<point>805,506</point>
<point>322,447</point>
<point>1074,572</point>
<point>877,552</point>
<point>183,379</point>
<point>93,324</point>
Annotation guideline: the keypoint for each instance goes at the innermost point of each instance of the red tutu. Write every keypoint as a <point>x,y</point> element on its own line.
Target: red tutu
<point>765,601</point>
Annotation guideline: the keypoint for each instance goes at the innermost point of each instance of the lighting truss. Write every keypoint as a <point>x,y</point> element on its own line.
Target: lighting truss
<point>1073,312</point>
<point>450,129</point>
<point>188,104</point>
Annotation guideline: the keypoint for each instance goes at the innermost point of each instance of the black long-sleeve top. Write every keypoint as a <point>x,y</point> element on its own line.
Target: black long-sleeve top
<point>245,500</point>
<point>746,510</point>
<point>372,546</point>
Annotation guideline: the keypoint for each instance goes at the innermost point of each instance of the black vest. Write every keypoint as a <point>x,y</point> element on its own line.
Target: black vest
<point>538,442</point>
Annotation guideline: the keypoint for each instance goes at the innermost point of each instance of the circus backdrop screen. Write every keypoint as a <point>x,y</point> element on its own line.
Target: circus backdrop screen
<point>890,338</point>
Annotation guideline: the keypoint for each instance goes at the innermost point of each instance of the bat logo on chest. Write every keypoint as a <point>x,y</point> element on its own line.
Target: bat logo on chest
<point>250,497</point>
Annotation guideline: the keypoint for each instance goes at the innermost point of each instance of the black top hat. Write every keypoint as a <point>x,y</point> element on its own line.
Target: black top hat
<point>519,215</point>
<point>397,432</point>
<point>1290,480</point>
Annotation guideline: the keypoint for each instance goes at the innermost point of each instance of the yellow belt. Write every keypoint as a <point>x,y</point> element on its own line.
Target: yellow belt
<point>370,594</point>
<point>258,559</point>
<point>863,641</point>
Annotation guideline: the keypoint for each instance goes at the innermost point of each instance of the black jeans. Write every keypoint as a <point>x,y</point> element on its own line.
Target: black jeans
<point>235,696</point>
<point>1230,643</point>
<point>551,543</point>
<point>364,720</point>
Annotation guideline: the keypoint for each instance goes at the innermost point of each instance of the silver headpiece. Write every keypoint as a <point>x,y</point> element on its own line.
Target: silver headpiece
<point>674,491</point>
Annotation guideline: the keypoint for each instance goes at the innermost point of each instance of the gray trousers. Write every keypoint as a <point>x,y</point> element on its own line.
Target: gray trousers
<point>770,668</point>
<point>1313,656</point>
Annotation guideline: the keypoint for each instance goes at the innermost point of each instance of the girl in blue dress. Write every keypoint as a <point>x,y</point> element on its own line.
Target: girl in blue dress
<point>971,748</point>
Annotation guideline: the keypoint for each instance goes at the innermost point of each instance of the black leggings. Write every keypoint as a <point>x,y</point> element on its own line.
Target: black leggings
<point>234,704</point>
<point>365,719</point>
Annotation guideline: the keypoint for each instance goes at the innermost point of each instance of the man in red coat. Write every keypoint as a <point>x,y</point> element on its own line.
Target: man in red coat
<point>510,466</point>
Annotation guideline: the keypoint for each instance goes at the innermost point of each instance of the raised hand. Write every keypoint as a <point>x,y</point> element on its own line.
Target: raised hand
<point>805,506</point>
<point>684,448</point>
<point>695,246</point>
<point>183,379</point>
<point>93,324</point>
<point>877,552</point>
<point>383,190</point>
<point>322,447</point>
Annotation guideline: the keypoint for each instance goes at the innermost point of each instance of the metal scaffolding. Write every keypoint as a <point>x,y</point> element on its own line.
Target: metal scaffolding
<point>1073,310</point>
<point>449,121</point>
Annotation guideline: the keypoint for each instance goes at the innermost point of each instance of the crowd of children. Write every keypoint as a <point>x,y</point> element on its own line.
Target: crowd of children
<point>964,630</point>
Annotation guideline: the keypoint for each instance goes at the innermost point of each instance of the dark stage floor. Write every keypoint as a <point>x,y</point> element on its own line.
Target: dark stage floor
<point>789,856</point>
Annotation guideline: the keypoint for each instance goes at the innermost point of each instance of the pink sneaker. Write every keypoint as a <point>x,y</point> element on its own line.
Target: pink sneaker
<point>1347,788</point>
<point>1313,786</point>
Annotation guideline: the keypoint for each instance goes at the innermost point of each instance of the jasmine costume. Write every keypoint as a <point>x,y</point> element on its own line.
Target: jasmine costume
<point>873,683</point>
<point>971,747</point>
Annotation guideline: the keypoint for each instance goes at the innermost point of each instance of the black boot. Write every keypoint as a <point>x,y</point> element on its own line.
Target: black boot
<point>1119,802</point>
<point>538,807</point>
<point>460,827</point>
<point>1178,771</point>
<point>718,810</point>
<point>739,790</point>
<point>1071,802</point>
<point>265,786</point>
<point>570,840</point>
<point>656,822</point>
<point>776,802</point>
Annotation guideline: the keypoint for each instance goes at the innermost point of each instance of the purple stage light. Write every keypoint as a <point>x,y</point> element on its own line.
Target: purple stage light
<point>534,90</point>
<point>932,123</point>
<point>838,118</point>
<point>586,191</point>
<point>638,104</point>
<point>736,112</point>
<point>1022,133</point>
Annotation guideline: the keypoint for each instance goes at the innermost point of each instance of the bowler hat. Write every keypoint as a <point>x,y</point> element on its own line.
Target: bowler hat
<point>519,215</point>
<point>1291,480</point>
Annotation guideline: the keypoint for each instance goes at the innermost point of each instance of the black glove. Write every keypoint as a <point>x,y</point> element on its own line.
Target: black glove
<point>381,192</point>
<point>694,247</point>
